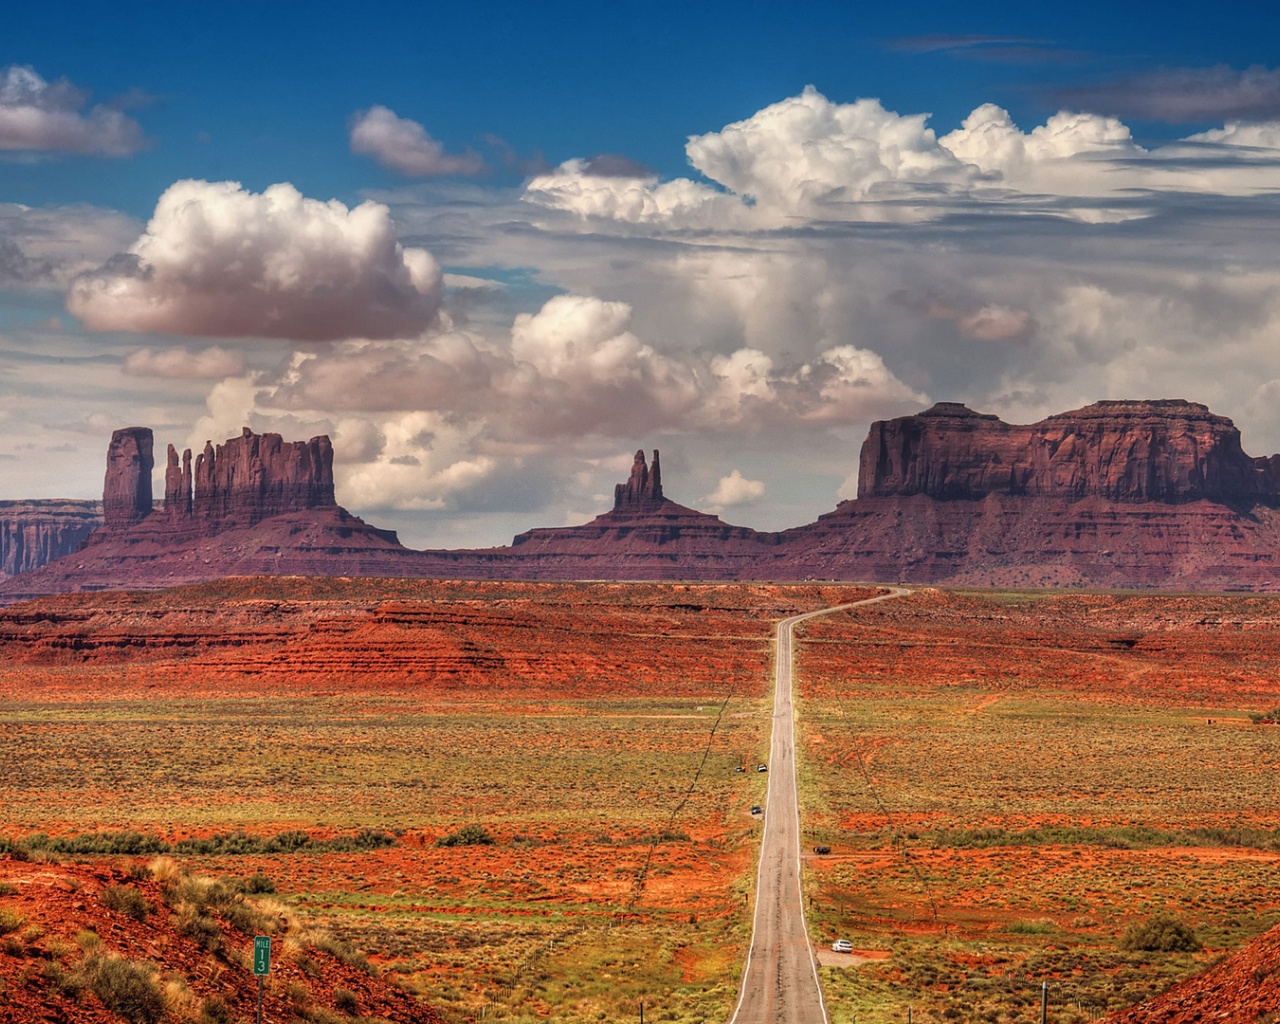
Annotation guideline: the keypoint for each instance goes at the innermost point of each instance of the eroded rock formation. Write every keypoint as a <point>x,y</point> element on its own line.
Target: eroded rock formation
<point>249,478</point>
<point>126,491</point>
<point>34,533</point>
<point>644,487</point>
<point>240,482</point>
<point>1169,451</point>
<point>1118,494</point>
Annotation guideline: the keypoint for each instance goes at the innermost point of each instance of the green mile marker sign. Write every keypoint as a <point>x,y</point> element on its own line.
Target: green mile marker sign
<point>261,955</point>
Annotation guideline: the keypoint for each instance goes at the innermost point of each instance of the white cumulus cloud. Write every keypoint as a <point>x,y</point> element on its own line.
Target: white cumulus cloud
<point>406,146</point>
<point>49,117</point>
<point>734,489</point>
<point>217,260</point>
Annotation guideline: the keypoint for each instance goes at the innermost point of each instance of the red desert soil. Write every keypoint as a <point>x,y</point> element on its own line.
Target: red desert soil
<point>294,634</point>
<point>1243,989</point>
<point>61,910</point>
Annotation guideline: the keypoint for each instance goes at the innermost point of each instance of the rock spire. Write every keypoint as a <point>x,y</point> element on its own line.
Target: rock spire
<point>126,491</point>
<point>643,489</point>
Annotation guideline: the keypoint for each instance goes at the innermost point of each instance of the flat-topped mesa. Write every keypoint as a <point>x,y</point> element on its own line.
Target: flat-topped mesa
<point>126,491</point>
<point>1168,450</point>
<point>644,488</point>
<point>250,478</point>
<point>241,482</point>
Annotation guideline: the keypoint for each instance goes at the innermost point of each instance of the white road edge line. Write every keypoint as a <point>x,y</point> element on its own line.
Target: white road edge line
<point>785,626</point>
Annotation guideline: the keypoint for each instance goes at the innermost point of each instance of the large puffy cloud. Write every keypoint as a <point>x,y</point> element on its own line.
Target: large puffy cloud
<point>40,116</point>
<point>218,260</point>
<point>806,151</point>
<point>405,146</point>
<point>573,369</point>
<point>806,159</point>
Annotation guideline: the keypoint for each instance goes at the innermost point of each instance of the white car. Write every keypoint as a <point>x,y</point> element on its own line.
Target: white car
<point>842,946</point>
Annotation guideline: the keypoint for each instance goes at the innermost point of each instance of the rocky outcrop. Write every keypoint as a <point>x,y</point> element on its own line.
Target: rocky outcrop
<point>643,489</point>
<point>1163,451</point>
<point>1118,494</point>
<point>240,482</point>
<point>249,478</point>
<point>34,533</point>
<point>126,492</point>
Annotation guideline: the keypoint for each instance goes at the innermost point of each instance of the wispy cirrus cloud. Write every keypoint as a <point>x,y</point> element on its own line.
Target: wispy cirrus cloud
<point>987,48</point>
<point>37,116</point>
<point>1184,95</point>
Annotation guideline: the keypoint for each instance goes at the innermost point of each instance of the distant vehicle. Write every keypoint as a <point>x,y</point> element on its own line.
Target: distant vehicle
<point>822,849</point>
<point>739,769</point>
<point>842,946</point>
<point>757,809</point>
<point>762,767</point>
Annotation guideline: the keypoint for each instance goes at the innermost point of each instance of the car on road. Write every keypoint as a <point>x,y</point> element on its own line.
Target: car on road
<point>822,850</point>
<point>842,946</point>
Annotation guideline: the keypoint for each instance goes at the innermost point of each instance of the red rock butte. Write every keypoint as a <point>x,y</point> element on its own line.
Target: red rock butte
<point>1117,494</point>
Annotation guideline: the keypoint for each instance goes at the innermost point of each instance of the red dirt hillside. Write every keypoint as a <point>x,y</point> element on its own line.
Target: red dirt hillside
<point>101,943</point>
<point>1243,989</point>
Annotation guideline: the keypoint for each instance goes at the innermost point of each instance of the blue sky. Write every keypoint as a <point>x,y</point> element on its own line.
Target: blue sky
<point>551,274</point>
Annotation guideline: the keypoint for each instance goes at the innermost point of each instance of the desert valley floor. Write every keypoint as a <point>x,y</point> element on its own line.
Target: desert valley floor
<point>522,801</point>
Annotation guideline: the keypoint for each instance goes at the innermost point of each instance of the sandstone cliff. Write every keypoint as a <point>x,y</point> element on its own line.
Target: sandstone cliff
<point>1168,451</point>
<point>33,533</point>
<point>240,482</point>
<point>1118,494</point>
<point>126,492</point>
<point>644,487</point>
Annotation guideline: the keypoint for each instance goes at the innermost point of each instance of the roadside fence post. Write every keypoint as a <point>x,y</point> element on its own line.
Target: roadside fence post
<point>1044,1002</point>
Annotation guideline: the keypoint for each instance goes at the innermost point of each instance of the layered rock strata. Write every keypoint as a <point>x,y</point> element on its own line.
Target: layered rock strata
<point>1118,494</point>
<point>126,491</point>
<point>34,533</point>
<point>1169,451</point>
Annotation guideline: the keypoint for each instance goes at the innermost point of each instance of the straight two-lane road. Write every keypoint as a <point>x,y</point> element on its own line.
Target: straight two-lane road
<point>780,981</point>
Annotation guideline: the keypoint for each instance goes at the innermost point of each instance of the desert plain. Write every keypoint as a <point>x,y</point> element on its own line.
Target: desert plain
<point>523,801</point>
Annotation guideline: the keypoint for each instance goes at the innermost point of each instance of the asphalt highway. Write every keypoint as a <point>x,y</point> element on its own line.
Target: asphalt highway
<point>780,981</point>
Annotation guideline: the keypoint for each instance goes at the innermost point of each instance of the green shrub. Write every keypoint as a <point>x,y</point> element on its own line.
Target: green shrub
<point>1039,926</point>
<point>6,889</point>
<point>127,988</point>
<point>196,925</point>
<point>345,1000</point>
<point>258,883</point>
<point>214,1010</point>
<point>467,835</point>
<point>247,918</point>
<point>127,900</point>
<point>10,920</point>
<point>1160,934</point>
<point>64,981</point>
<point>339,949</point>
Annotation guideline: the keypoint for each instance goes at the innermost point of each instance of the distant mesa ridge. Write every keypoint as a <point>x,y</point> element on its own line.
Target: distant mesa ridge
<point>1116,494</point>
<point>1125,451</point>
